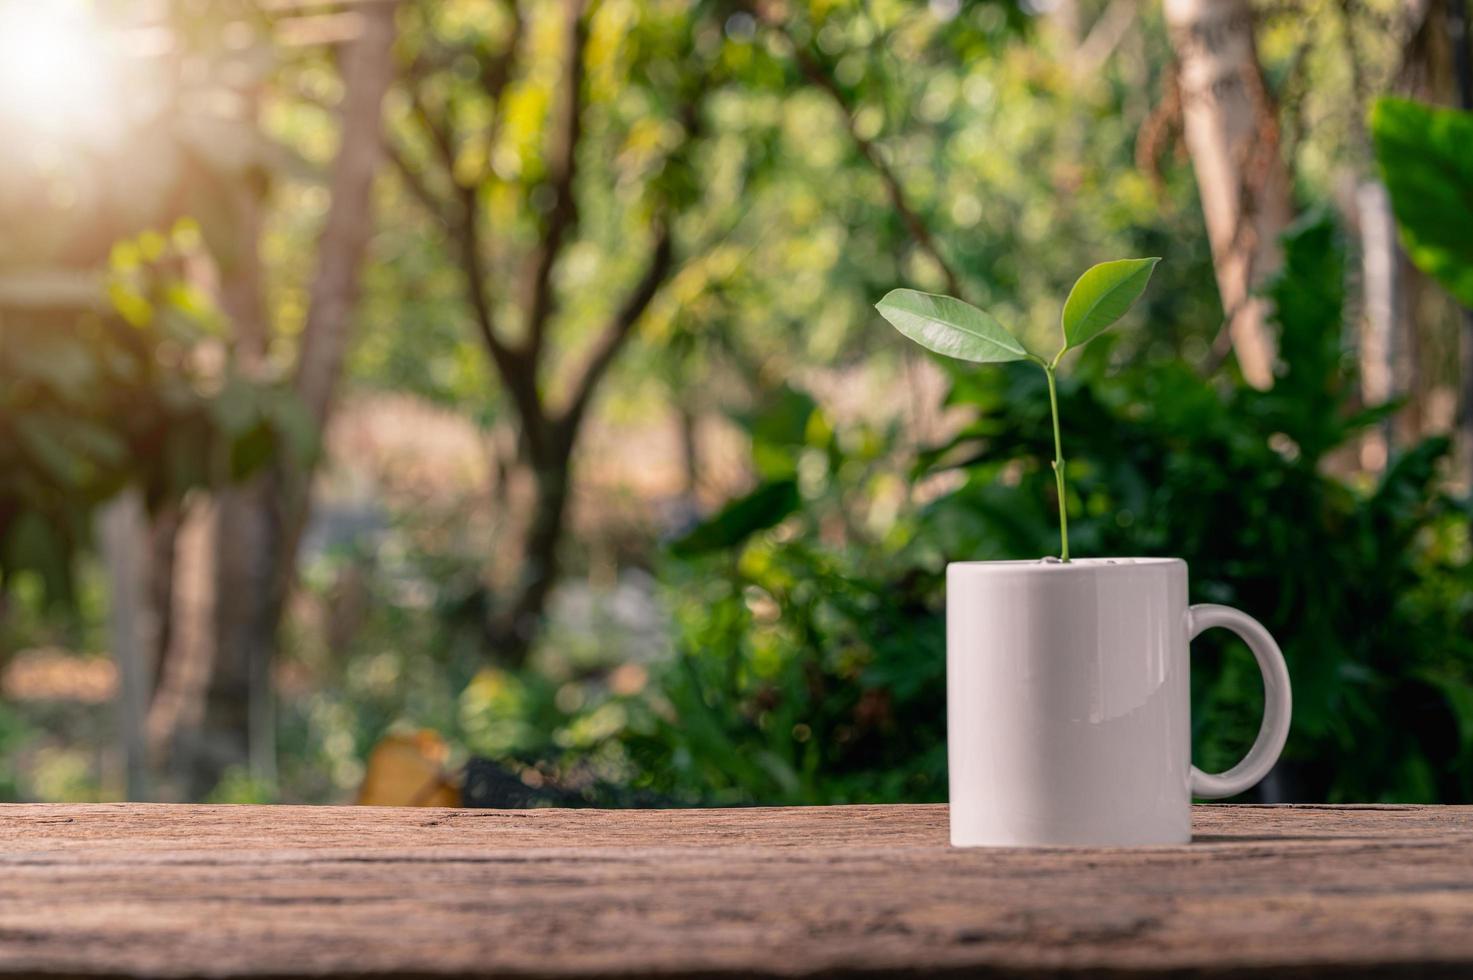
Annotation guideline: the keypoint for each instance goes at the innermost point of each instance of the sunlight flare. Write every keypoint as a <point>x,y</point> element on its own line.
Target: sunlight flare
<point>56,69</point>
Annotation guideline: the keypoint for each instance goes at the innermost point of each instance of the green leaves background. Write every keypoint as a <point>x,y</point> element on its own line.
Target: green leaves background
<point>1426,159</point>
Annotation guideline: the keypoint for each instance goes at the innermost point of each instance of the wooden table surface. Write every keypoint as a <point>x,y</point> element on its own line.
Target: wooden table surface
<point>281,891</point>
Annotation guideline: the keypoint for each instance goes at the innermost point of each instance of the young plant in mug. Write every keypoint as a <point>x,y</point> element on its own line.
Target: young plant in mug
<point>957,329</point>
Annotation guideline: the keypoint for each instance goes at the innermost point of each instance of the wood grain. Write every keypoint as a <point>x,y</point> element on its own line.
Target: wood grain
<point>299,891</point>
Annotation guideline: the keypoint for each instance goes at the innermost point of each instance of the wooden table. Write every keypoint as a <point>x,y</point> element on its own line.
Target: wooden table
<point>198,890</point>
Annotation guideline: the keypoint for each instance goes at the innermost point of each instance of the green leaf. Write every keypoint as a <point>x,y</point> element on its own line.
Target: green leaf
<point>759,510</point>
<point>251,450</point>
<point>1426,159</point>
<point>44,438</point>
<point>34,543</point>
<point>293,424</point>
<point>779,427</point>
<point>949,326</point>
<point>1101,296</point>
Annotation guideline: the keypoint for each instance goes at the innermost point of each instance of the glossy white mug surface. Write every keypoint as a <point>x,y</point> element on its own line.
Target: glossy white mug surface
<point>1069,707</point>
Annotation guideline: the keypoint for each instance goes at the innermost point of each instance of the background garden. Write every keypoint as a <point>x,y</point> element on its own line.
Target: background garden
<point>480,399</point>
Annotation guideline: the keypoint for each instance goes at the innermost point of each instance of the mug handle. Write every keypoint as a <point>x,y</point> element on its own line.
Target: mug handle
<point>1277,701</point>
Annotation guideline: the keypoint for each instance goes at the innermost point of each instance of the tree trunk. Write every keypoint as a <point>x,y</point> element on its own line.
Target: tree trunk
<point>368,71</point>
<point>219,736</point>
<point>547,435</point>
<point>259,523</point>
<point>1231,133</point>
<point>187,647</point>
<point>1461,35</point>
<point>1381,284</point>
<point>688,427</point>
<point>236,730</point>
<point>514,627</point>
<point>123,535</point>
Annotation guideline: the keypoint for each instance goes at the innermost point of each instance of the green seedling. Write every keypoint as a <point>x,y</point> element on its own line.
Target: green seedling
<point>957,329</point>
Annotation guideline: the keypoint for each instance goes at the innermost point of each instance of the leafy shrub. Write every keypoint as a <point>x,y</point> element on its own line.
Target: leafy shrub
<point>1365,588</point>
<point>100,395</point>
<point>810,657</point>
<point>1423,154</point>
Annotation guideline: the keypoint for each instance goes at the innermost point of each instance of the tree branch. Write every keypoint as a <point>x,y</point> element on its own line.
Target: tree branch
<point>1103,38</point>
<point>657,271</point>
<point>496,72</point>
<point>537,304</point>
<point>518,372</point>
<point>438,208</point>
<point>438,127</point>
<point>462,214</point>
<point>619,329</point>
<point>914,225</point>
<point>368,71</point>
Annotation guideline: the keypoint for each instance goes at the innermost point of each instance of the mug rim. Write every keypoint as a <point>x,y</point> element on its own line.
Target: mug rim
<point>1046,566</point>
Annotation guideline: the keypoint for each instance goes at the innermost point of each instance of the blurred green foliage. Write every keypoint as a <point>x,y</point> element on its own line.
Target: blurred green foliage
<point>796,652</point>
<point>807,615</point>
<point>1426,159</point>
<point>810,658</point>
<point>1242,484</point>
<point>115,383</point>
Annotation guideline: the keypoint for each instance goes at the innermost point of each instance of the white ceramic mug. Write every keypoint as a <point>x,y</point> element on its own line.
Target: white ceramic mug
<point>1069,707</point>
